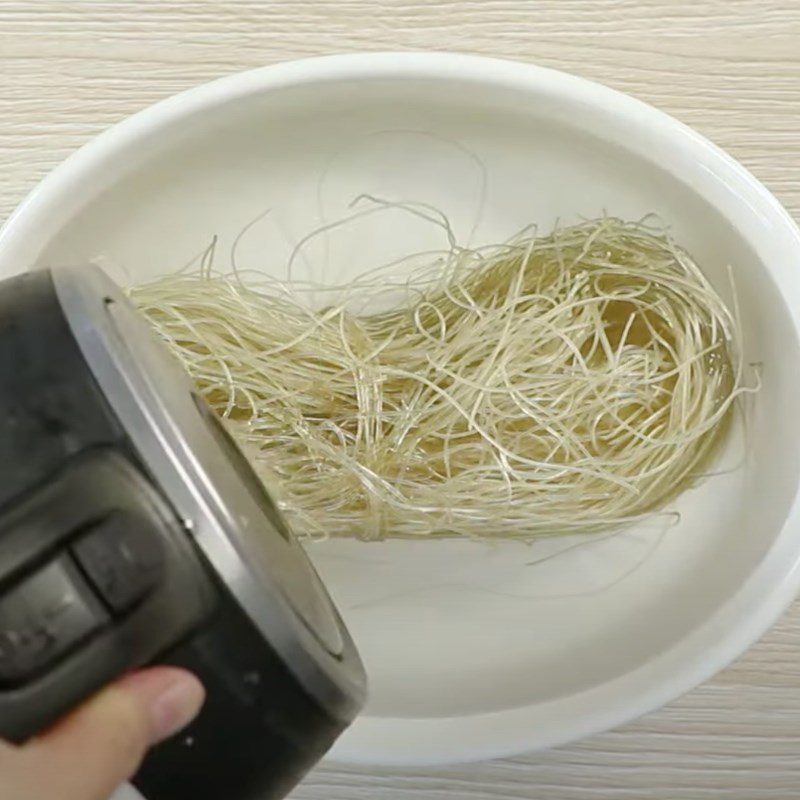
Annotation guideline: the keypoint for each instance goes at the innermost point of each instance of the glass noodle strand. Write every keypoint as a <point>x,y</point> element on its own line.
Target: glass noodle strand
<point>552,384</point>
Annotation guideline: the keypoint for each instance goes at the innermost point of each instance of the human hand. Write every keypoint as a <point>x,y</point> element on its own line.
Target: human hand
<point>101,744</point>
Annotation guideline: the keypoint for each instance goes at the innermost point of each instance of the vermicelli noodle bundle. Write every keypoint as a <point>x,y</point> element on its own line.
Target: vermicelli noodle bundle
<point>548,385</point>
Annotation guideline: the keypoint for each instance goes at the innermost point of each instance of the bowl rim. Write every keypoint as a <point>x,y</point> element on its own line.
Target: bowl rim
<point>759,217</point>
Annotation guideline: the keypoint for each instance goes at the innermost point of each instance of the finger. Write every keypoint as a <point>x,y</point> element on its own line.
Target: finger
<point>99,746</point>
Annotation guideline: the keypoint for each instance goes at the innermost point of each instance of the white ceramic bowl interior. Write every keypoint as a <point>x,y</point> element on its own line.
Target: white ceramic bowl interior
<point>472,650</point>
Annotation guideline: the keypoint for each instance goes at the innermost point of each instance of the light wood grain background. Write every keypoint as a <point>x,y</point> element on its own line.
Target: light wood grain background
<point>730,68</point>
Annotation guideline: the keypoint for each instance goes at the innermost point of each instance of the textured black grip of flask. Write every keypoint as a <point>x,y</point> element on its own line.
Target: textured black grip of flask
<point>259,732</point>
<point>50,405</point>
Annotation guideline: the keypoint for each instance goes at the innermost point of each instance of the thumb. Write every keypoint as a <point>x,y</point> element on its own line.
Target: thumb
<point>99,746</point>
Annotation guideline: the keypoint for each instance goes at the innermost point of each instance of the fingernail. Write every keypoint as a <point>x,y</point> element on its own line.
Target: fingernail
<point>176,706</point>
<point>170,697</point>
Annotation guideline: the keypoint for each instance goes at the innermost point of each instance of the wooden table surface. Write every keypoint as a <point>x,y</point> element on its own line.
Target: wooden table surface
<point>730,68</point>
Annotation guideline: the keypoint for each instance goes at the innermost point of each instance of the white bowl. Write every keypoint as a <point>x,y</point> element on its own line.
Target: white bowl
<point>473,652</point>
